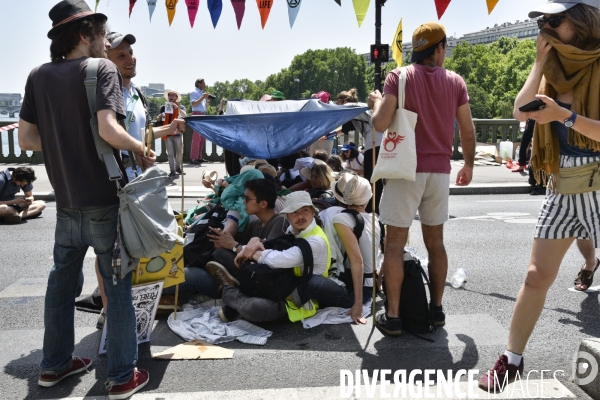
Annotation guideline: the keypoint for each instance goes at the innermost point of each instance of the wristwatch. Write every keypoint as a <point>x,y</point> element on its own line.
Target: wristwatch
<point>569,122</point>
<point>235,247</point>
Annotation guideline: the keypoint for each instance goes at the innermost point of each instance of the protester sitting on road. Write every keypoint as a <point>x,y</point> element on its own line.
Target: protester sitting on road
<point>259,201</point>
<point>302,216</point>
<point>566,135</point>
<point>354,160</point>
<point>320,155</point>
<point>354,257</point>
<point>318,181</point>
<point>15,209</point>
<point>287,174</point>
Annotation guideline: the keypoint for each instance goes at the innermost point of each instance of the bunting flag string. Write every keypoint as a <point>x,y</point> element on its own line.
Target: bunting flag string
<point>441,6</point>
<point>490,5</point>
<point>239,7</point>
<point>192,7</point>
<point>293,9</point>
<point>264,8</point>
<point>360,9</point>
<point>131,4</point>
<point>151,7</point>
<point>397,45</point>
<point>171,5</point>
<point>214,8</point>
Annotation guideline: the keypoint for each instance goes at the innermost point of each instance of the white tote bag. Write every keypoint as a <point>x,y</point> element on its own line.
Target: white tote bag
<point>398,152</point>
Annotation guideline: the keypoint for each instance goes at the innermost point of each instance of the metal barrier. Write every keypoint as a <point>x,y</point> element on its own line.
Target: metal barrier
<point>9,141</point>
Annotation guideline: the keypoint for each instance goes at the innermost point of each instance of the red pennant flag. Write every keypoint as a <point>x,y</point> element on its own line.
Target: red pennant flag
<point>239,6</point>
<point>192,6</point>
<point>441,6</point>
<point>131,4</point>
<point>264,7</point>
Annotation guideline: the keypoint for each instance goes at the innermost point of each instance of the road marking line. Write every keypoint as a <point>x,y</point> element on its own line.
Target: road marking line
<point>36,287</point>
<point>551,389</point>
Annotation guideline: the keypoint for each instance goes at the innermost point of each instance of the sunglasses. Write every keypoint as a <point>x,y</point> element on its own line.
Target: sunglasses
<point>554,21</point>
<point>247,199</point>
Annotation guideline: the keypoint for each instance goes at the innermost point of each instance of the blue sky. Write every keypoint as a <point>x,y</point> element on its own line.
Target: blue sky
<point>179,54</point>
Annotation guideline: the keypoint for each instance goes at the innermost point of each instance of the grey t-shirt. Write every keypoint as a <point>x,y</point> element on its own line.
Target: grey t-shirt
<point>55,100</point>
<point>273,229</point>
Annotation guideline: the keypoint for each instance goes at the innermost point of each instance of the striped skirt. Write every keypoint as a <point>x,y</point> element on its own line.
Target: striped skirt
<point>570,215</point>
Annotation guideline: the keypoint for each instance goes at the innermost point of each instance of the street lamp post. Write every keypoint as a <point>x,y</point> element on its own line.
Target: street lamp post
<point>297,87</point>
<point>378,5</point>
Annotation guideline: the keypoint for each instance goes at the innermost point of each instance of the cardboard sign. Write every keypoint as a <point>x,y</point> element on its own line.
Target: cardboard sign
<point>145,301</point>
<point>194,350</point>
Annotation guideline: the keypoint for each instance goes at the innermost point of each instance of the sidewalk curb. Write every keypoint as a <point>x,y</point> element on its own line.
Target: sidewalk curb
<point>591,346</point>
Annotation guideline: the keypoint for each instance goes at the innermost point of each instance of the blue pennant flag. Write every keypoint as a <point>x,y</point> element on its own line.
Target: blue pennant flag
<point>272,129</point>
<point>215,7</point>
<point>293,8</point>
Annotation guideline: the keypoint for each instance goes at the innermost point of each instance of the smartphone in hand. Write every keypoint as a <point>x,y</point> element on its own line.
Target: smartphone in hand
<point>534,105</point>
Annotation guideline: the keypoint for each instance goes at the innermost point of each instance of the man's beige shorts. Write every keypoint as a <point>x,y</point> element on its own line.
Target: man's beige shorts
<point>401,199</point>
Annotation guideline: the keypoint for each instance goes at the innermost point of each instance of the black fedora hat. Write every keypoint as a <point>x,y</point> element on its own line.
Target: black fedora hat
<point>67,12</point>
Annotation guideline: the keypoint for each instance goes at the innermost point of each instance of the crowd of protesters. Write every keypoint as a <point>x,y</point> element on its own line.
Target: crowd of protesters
<point>301,222</point>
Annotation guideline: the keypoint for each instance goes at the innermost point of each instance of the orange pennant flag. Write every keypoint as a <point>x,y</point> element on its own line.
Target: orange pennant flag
<point>491,4</point>
<point>264,7</point>
<point>171,4</point>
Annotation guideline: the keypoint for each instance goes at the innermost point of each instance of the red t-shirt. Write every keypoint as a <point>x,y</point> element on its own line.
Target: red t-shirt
<point>434,94</point>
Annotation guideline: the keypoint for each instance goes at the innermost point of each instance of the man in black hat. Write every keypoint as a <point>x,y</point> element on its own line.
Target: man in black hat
<point>55,118</point>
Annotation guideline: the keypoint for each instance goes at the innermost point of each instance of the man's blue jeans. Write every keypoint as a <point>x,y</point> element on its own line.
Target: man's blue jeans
<point>197,280</point>
<point>76,230</point>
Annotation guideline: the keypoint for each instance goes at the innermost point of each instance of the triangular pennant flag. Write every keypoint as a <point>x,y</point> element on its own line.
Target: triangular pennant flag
<point>151,7</point>
<point>491,4</point>
<point>96,9</point>
<point>171,4</point>
<point>131,4</point>
<point>441,6</point>
<point>214,8</point>
<point>192,7</point>
<point>293,8</point>
<point>397,45</point>
<point>239,7</point>
<point>339,2</point>
<point>264,8</point>
<point>360,8</point>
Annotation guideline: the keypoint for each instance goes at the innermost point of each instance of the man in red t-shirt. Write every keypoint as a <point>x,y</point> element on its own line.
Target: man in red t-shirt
<point>440,98</point>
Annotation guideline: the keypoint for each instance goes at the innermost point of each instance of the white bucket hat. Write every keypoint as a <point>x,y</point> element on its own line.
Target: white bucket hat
<point>210,176</point>
<point>297,200</point>
<point>172,91</point>
<point>558,6</point>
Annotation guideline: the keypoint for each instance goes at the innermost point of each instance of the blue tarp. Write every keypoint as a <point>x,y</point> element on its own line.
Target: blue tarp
<point>272,129</point>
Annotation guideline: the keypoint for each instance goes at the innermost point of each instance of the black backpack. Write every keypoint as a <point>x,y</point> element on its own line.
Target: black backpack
<point>414,305</point>
<point>260,280</point>
<point>199,251</point>
<point>288,181</point>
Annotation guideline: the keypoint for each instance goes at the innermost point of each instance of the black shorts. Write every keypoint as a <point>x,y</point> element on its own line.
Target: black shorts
<point>17,208</point>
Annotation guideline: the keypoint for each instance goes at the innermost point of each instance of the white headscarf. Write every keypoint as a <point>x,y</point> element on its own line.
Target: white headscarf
<point>357,191</point>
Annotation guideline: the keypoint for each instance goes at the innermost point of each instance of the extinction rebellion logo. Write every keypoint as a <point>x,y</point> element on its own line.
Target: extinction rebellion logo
<point>293,3</point>
<point>391,140</point>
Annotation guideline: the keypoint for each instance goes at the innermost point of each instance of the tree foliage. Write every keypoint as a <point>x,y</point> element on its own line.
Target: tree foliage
<point>494,74</point>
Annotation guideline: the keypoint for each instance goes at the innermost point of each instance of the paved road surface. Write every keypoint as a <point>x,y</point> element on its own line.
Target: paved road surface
<point>490,236</point>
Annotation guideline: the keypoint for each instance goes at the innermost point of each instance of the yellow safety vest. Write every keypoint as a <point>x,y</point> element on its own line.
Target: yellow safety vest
<point>309,309</point>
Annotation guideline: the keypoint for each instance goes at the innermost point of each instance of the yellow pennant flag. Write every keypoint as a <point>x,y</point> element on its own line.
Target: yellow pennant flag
<point>397,45</point>
<point>171,4</point>
<point>360,8</point>
<point>491,4</point>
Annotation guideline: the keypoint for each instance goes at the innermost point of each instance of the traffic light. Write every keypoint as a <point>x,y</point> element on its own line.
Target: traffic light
<point>380,53</point>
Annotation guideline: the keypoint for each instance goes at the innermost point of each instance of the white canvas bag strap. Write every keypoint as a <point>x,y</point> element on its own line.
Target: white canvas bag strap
<point>401,87</point>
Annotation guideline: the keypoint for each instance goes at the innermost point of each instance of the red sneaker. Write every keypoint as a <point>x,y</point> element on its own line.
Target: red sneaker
<point>509,163</point>
<point>139,379</point>
<point>503,373</point>
<point>517,168</point>
<point>78,365</point>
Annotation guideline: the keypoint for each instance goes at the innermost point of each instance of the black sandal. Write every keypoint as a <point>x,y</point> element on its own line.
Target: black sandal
<point>585,277</point>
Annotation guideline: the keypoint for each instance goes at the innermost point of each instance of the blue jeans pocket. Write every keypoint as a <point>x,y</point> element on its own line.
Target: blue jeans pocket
<point>103,235</point>
<point>62,234</point>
